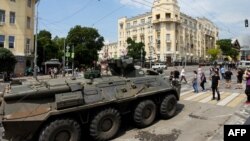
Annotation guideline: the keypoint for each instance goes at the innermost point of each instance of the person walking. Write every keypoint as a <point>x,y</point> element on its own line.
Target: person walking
<point>215,85</point>
<point>183,77</point>
<point>222,71</point>
<point>195,82</point>
<point>203,81</point>
<point>228,77</point>
<point>247,90</point>
<point>239,79</point>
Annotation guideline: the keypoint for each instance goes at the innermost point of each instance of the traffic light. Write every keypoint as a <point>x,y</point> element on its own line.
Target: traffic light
<point>246,23</point>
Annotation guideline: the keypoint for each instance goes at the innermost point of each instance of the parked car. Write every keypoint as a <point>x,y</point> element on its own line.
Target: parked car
<point>159,66</point>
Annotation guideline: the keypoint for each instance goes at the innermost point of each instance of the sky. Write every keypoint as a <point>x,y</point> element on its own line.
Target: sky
<point>59,16</point>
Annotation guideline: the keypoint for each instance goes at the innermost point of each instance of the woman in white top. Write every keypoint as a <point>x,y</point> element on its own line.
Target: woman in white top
<point>183,75</point>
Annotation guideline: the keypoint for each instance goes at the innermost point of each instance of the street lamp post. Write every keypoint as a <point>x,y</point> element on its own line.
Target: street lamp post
<point>67,55</point>
<point>35,56</point>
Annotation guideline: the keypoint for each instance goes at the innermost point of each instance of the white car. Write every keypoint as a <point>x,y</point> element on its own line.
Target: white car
<point>159,66</point>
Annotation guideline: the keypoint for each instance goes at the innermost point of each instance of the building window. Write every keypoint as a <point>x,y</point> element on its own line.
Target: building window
<point>158,17</point>
<point>12,17</point>
<point>27,46</point>
<point>168,15</point>
<point>167,37</point>
<point>29,3</point>
<point>2,16</point>
<point>142,21</point>
<point>28,22</point>
<point>168,46</point>
<point>135,23</point>
<point>11,41</point>
<point>121,25</point>
<point>128,25</point>
<point>149,19</point>
<point>2,38</point>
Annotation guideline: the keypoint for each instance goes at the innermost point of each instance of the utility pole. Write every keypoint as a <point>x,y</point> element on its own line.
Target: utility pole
<point>64,56</point>
<point>67,55</point>
<point>35,56</point>
<point>141,57</point>
<point>73,56</point>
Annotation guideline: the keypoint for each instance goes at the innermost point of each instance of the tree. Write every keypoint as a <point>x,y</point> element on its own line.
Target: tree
<point>59,43</point>
<point>87,42</point>
<point>214,53</point>
<point>135,49</point>
<point>7,60</point>
<point>227,48</point>
<point>46,48</point>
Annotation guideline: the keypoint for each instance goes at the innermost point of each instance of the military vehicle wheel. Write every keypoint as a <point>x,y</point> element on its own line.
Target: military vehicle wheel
<point>105,124</point>
<point>145,113</point>
<point>168,107</point>
<point>61,130</point>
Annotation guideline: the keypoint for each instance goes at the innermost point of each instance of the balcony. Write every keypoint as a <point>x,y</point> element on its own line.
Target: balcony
<point>166,20</point>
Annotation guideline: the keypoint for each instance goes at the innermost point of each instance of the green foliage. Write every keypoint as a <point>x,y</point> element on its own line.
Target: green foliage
<point>214,53</point>
<point>227,48</point>
<point>87,42</point>
<point>134,49</point>
<point>47,48</point>
<point>7,60</point>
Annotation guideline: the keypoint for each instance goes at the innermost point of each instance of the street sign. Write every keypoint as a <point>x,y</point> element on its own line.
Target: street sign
<point>67,54</point>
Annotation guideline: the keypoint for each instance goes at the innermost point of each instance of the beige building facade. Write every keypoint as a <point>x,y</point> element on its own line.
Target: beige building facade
<point>168,34</point>
<point>17,30</point>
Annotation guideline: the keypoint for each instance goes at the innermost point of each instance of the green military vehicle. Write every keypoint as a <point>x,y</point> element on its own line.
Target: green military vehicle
<point>59,109</point>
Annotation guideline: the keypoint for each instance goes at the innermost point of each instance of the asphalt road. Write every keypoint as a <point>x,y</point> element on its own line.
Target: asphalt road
<point>198,118</point>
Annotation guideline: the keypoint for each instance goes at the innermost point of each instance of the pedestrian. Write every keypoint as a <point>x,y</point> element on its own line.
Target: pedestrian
<point>222,71</point>
<point>195,82</point>
<point>176,74</point>
<point>203,81</point>
<point>239,79</point>
<point>55,71</point>
<point>247,90</point>
<point>171,77</point>
<point>228,76</point>
<point>215,85</point>
<point>183,77</point>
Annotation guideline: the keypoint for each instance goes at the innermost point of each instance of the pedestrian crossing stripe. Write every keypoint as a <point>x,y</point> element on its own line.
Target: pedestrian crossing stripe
<point>207,99</point>
<point>227,99</point>
<point>194,96</point>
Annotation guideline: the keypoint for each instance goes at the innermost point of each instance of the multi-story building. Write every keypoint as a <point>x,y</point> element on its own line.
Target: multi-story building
<point>109,50</point>
<point>168,34</point>
<point>17,30</point>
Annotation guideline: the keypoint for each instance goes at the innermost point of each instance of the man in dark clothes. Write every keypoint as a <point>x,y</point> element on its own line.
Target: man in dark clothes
<point>215,85</point>
<point>228,76</point>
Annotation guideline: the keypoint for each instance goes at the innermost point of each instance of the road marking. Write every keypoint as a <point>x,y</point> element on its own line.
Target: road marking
<point>237,100</point>
<point>228,99</point>
<point>222,97</point>
<point>195,95</point>
<point>209,98</point>
<point>202,97</point>
<point>187,92</point>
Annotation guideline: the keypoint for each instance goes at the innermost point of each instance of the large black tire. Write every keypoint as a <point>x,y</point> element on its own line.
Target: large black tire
<point>105,124</point>
<point>145,113</point>
<point>61,130</point>
<point>168,107</point>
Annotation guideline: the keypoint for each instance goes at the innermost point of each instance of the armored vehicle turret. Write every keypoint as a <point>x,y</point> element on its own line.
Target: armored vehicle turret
<point>58,109</point>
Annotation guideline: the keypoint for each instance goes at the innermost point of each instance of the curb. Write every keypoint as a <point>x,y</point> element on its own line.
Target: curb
<point>239,118</point>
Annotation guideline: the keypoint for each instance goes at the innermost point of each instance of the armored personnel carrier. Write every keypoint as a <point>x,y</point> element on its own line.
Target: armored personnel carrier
<point>58,109</point>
